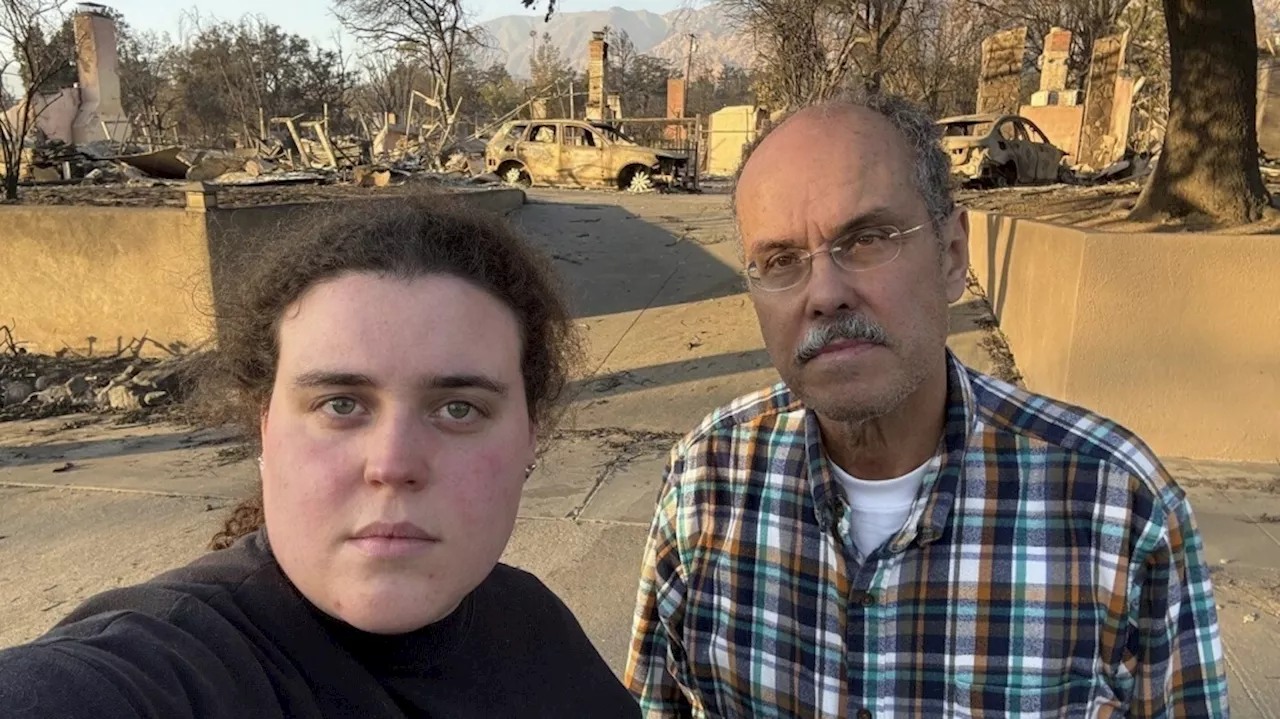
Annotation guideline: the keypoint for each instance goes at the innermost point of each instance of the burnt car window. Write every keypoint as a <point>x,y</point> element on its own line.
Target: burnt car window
<point>1034,133</point>
<point>575,136</point>
<point>544,133</point>
<point>516,132</point>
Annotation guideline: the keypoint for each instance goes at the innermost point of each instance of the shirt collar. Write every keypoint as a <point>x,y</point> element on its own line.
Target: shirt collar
<point>941,483</point>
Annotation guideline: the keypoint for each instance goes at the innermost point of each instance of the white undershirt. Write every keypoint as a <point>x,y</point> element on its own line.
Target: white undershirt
<point>878,508</point>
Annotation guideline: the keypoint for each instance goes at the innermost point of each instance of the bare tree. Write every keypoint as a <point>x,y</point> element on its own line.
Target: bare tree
<point>146,87</point>
<point>622,54</point>
<point>938,60</point>
<point>811,49</point>
<point>388,83</point>
<point>868,31</point>
<point>27,62</point>
<point>437,34</point>
<point>790,48</point>
<point>1209,163</point>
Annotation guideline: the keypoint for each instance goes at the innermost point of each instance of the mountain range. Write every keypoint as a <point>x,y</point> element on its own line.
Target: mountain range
<point>718,43</point>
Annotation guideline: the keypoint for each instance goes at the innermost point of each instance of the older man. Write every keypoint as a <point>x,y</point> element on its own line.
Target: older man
<point>888,532</point>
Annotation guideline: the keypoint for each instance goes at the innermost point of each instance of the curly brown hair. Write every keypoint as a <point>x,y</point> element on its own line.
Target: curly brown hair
<point>402,238</point>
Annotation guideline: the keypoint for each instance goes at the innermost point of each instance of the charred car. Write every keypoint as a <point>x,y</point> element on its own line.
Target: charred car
<point>574,153</point>
<point>999,151</point>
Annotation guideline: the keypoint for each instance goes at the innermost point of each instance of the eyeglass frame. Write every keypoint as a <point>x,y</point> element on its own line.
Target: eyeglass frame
<point>807,257</point>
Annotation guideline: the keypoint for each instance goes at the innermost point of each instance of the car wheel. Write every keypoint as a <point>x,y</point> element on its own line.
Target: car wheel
<point>641,180</point>
<point>515,175</point>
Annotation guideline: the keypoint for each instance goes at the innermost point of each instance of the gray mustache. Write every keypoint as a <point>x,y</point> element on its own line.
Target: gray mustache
<point>846,327</point>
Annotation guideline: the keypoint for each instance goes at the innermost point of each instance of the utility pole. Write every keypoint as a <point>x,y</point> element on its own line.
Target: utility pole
<point>533,53</point>
<point>688,62</point>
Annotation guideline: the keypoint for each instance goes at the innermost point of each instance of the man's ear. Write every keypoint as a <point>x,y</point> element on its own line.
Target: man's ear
<point>955,260</point>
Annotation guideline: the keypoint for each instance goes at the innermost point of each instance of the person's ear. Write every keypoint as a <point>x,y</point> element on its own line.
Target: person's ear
<point>955,254</point>
<point>533,450</point>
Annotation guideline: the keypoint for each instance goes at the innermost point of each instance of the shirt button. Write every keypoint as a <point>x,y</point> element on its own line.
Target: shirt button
<point>864,713</point>
<point>865,599</point>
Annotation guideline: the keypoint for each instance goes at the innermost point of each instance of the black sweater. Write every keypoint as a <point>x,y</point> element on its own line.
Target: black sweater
<point>229,637</point>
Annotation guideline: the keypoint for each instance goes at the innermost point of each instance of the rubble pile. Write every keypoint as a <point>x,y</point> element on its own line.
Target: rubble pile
<point>54,161</point>
<point>280,159</point>
<point>37,386</point>
<point>1132,167</point>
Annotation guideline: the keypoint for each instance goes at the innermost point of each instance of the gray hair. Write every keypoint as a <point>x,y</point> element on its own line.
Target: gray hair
<point>932,176</point>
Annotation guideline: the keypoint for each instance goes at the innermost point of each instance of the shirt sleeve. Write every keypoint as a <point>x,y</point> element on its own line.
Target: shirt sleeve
<point>656,657</point>
<point>1177,663</point>
<point>127,665</point>
<point>43,681</point>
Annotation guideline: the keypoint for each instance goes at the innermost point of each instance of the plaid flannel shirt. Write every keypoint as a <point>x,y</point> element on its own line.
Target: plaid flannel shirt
<point>1049,567</point>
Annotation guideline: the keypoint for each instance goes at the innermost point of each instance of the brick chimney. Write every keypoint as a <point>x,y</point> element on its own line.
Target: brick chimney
<point>675,97</point>
<point>99,77</point>
<point>597,76</point>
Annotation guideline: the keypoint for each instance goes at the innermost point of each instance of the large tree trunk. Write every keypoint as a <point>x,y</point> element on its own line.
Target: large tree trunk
<point>1209,163</point>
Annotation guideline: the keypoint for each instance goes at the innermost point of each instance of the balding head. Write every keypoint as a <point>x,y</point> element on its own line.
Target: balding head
<point>930,168</point>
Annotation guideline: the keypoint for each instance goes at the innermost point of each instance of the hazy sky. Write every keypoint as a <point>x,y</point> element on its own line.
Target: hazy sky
<point>312,18</point>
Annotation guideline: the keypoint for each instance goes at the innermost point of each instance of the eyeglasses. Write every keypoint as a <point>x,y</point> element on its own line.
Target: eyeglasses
<point>859,251</point>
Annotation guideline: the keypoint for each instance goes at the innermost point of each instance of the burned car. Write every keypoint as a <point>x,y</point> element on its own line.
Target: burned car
<point>575,153</point>
<point>999,150</point>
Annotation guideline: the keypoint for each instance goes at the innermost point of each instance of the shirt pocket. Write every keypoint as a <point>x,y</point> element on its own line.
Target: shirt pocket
<point>1065,697</point>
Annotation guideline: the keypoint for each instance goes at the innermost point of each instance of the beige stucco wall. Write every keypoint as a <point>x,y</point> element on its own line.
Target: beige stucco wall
<point>729,131</point>
<point>1176,336</point>
<point>1011,256</point>
<point>114,273</point>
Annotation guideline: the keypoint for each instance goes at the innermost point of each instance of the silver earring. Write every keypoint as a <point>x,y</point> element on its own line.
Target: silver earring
<point>528,471</point>
<point>259,461</point>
